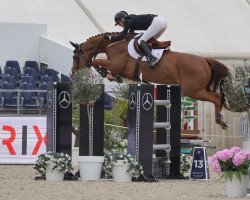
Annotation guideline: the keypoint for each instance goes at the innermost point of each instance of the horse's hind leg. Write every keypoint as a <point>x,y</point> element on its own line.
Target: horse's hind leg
<point>214,98</point>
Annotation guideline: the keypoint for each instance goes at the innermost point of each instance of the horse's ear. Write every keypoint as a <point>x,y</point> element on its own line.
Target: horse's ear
<point>77,46</point>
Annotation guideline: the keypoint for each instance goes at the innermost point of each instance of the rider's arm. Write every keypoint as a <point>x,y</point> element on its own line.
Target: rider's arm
<point>122,34</point>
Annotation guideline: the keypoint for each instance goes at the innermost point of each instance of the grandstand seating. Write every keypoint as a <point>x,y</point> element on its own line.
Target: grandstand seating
<point>30,72</point>
<point>14,82</point>
<point>107,101</point>
<point>42,96</point>
<point>27,98</point>
<point>13,64</point>
<point>32,64</point>
<point>11,72</point>
<point>52,73</point>
<point>9,86</point>
<point>65,79</point>
<point>28,79</point>
<point>7,100</point>
<point>9,79</point>
<point>46,79</point>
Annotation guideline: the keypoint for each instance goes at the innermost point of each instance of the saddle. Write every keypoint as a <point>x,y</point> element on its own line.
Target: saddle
<point>152,44</point>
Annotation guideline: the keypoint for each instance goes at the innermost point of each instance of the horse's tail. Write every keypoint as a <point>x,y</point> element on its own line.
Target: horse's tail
<point>219,72</point>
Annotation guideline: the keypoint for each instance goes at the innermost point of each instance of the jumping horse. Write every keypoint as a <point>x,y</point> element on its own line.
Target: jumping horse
<point>200,78</point>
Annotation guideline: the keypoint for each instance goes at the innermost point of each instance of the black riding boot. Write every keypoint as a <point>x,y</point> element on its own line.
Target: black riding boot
<point>151,59</point>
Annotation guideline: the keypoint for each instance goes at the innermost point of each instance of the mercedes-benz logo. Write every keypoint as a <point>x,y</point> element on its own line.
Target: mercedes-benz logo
<point>49,99</point>
<point>64,99</point>
<point>147,101</point>
<point>132,101</point>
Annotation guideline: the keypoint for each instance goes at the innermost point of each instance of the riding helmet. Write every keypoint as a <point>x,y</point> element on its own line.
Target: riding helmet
<point>119,15</point>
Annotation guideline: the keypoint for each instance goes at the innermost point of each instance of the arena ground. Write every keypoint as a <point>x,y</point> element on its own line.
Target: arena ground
<point>17,183</point>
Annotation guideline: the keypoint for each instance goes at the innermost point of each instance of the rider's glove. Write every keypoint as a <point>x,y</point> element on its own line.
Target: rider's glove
<point>107,37</point>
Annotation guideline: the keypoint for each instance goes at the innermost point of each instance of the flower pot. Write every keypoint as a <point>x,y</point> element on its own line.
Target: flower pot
<point>120,173</point>
<point>54,175</point>
<point>237,188</point>
<point>90,167</point>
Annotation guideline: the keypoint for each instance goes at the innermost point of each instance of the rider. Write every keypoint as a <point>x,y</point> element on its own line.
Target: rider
<point>153,25</point>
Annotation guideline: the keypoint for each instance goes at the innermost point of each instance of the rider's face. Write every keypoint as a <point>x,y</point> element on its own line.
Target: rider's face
<point>121,22</point>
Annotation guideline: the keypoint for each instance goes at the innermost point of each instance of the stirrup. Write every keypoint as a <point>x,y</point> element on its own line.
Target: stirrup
<point>152,62</point>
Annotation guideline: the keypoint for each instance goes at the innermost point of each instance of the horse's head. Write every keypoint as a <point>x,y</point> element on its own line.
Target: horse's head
<point>85,52</point>
<point>77,57</point>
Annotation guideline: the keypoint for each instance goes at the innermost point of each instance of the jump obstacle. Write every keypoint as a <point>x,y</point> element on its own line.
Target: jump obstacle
<point>59,118</point>
<point>59,122</point>
<point>141,125</point>
<point>168,125</point>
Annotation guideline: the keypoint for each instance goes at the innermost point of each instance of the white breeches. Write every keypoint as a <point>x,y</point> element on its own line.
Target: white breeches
<point>156,29</point>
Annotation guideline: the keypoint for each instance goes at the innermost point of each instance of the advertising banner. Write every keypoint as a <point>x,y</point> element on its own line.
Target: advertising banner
<point>22,139</point>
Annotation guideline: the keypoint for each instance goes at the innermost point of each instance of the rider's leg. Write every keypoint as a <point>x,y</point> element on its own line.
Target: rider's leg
<point>161,25</point>
<point>151,59</point>
<point>155,30</point>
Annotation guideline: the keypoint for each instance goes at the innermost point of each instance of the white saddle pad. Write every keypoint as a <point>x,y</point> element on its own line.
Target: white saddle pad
<point>132,52</point>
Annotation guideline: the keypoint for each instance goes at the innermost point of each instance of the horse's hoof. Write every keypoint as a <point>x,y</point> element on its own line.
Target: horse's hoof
<point>225,126</point>
<point>119,79</point>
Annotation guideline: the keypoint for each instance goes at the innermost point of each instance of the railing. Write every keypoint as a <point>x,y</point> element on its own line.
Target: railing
<point>17,99</point>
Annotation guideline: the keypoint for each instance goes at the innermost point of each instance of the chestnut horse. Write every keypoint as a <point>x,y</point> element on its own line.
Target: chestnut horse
<point>199,78</point>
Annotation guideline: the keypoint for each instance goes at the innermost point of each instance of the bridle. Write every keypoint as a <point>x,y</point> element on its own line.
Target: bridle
<point>78,50</point>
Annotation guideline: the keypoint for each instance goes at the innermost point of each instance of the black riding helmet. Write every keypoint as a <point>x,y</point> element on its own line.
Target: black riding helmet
<point>119,15</point>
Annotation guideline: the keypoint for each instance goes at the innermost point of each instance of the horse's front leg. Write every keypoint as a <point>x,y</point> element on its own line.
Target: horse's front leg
<point>106,65</point>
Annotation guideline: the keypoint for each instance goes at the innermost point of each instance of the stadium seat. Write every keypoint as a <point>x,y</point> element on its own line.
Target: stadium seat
<point>42,96</point>
<point>32,64</point>
<point>6,85</point>
<point>31,72</point>
<point>10,79</point>
<point>107,102</point>
<point>9,86</point>
<point>13,64</point>
<point>46,79</point>
<point>7,100</point>
<point>65,79</point>
<point>26,86</point>
<point>27,100</point>
<point>42,86</point>
<point>52,73</point>
<point>28,79</point>
<point>11,72</point>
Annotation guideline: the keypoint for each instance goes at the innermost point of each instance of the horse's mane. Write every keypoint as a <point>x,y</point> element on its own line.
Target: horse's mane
<point>128,35</point>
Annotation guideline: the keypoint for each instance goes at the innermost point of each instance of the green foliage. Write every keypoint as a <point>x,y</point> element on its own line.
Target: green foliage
<point>86,88</point>
<point>59,161</point>
<point>241,171</point>
<point>111,157</point>
<point>76,114</point>
<point>185,163</point>
<point>234,89</point>
<point>115,137</point>
<point>121,91</point>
